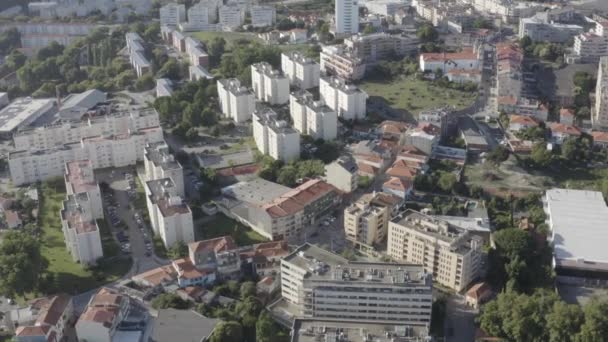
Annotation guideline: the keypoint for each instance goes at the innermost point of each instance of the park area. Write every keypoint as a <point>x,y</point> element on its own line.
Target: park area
<point>221,225</point>
<point>69,276</point>
<point>409,95</point>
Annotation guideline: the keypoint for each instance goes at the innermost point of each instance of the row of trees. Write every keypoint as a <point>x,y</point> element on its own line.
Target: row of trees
<point>544,50</point>
<point>288,174</point>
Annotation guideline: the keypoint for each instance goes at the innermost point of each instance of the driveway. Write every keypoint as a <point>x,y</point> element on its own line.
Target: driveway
<point>460,320</point>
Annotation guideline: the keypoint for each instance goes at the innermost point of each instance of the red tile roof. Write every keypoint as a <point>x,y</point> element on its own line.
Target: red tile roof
<point>445,56</point>
<point>523,120</point>
<point>186,270</point>
<point>564,129</point>
<point>479,291</point>
<point>51,313</point>
<point>366,169</point>
<point>298,198</point>
<point>393,127</point>
<point>158,275</point>
<point>220,244</point>
<point>32,331</point>
<point>600,136</point>
<point>401,169</point>
<point>398,184</point>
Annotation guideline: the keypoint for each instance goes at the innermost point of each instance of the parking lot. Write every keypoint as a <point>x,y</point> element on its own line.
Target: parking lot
<point>329,232</point>
<point>127,223</point>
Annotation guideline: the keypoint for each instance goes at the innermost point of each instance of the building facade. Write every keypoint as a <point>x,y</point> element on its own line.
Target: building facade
<point>342,173</point>
<point>336,62</point>
<point>366,220</point>
<point>231,17</point>
<point>262,16</point>
<point>237,102</point>
<point>311,117</point>
<point>160,163</point>
<point>347,100</point>
<point>274,137</point>
<point>269,85</point>
<point>346,17</point>
<point>302,72</point>
<point>172,14</point>
<point>599,117</point>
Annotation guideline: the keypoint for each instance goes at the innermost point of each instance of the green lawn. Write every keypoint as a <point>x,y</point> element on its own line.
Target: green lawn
<point>413,95</point>
<point>70,276</point>
<point>222,225</point>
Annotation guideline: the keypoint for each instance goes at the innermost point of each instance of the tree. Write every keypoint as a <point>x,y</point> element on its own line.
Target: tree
<point>54,49</point>
<point>427,33</point>
<point>595,327</point>
<point>145,82</point>
<point>265,329</point>
<point>15,59</point>
<point>248,289</point>
<point>447,181</point>
<point>170,70</point>
<point>525,42</point>
<point>21,264</point>
<point>169,300</point>
<point>564,321</point>
<point>287,176</point>
<point>178,250</point>
<point>227,332</point>
<point>540,155</point>
<point>216,48</point>
<point>498,155</point>
<point>369,29</point>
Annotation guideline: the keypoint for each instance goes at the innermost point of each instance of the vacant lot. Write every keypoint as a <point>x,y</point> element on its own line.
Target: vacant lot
<point>70,276</point>
<point>411,95</point>
<point>222,225</point>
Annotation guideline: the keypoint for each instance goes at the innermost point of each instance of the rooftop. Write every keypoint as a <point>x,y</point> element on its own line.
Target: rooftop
<point>578,225</point>
<point>267,69</point>
<point>342,85</point>
<point>298,198</point>
<point>22,110</point>
<point>104,307</point>
<point>308,330</point>
<point>299,57</point>
<point>233,86</point>
<point>269,118</point>
<point>220,244</point>
<point>73,212</point>
<point>162,193</point>
<point>322,265</point>
<point>258,191</point>
<point>87,99</point>
<point>80,177</point>
<point>182,326</point>
<point>159,154</point>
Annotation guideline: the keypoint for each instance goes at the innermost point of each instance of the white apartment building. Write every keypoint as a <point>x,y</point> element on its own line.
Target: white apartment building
<point>237,102</point>
<point>262,16</point>
<point>276,211</point>
<point>198,16</point>
<point>312,117</point>
<point>136,54</point>
<point>346,17</point>
<point>54,135</point>
<point>302,72</point>
<point>590,46</point>
<point>160,163</point>
<point>79,178</point>
<point>196,52</point>
<point>342,173</point>
<point>29,166</point>
<point>336,62</point>
<point>452,254</point>
<point>541,30</point>
<point>269,85</point>
<point>366,220</point>
<point>231,17</point>
<point>599,117</point>
<point>372,48</point>
<point>172,14</point>
<point>346,99</point>
<point>274,137</point>
<point>102,316</point>
<point>170,216</point>
<point>323,285</point>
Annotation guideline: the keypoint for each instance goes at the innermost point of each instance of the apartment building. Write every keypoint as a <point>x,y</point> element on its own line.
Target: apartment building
<point>172,14</point>
<point>366,220</point>
<point>337,62</point>
<point>21,112</point>
<point>262,16</point>
<point>371,154</point>
<point>312,117</point>
<point>347,100</point>
<point>342,174</point>
<point>54,135</point>
<point>196,52</point>
<point>231,17</point>
<point>509,11</point>
<point>163,87</point>
<point>160,163</point>
<point>599,117</point>
<point>303,72</point>
<point>539,29</point>
<point>219,254</point>
<point>29,166</point>
<point>269,85</point>
<point>136,54</point>
<point>468,59</point>
<point>274,137</point>
<point>170,216</point>
<point>346,18</point>
<point>79,178</point>
<point>323,285</point>
<point>35,36</point>
<point>48,319</point>
<point>178,40</point>
<point>452,254</point>
<point>375,47</point>
<point>276,211</point>
<point>198,17</point>
<point>197,72</point>
<point>237,102</point>
<point>590,46</point>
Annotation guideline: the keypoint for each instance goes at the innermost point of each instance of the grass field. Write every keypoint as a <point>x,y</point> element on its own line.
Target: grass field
<point>222,225</point>
<point>413,95</point>
<point>70,276</point>
<point>230,37</point>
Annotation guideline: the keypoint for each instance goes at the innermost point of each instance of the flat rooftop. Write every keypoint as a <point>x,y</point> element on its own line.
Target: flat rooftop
<point>258,191</point>
<point>72,212</point>
<point>162,193</point>
<point>22,110</point>
<point>80,176</point>
<point>158,153</point>
<point>429,225</point>
<point>323,265</point>
<point>305,330</point>
<point>579,226</point>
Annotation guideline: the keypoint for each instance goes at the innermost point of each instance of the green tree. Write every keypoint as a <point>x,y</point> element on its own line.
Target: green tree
<point>145,82</point>
<point>265,329</point>
<point>227,332</point>
<point>540,155</point>
<point>169,300</point>
<point>564,321</point>
<point>21,264</point>
<point>369,29</point>
<point>248,289</point>
<point>447,181</point>
<point>595,327</point>
<point>287,175</point>
<point>15,60</point>
<point>171,70</point>
<point>216,48</point>
<point>178,250</point>
<point>427,33</point>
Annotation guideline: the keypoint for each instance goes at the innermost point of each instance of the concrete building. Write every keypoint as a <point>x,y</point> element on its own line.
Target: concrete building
<point>453,255</point>
<point>109,151</point>
<point>541,30</point>
<point>322,285</point>
<point>366,220</point>
<point>372,48</point>
<point>189,325</point>
<point>262,16</point>
<point>196,52</point>
<point>336,62</point>
<point>160,163</point>
<point>573,217</point>
<point>269,85</point>
<point>346,18</point>
<point>54,135</point>
<point>274,137</point>
<point>163,87</point>
<point>590,46</point>
<point>468,59</point>
<point>198,72</point>
<point>237,102</point>
<point>80,179</point>
<point>4,101</point>
<point>78,215</point>
<point>22,112</point>
<point>313,330</point>
<point>47,319</point>
<point>311,117</point>
<point>425,137</point>
<point>172,14</point>
<point>231,17</point>
<point>276,211</point>
<point>198,17</point>
<point>302,72</point>
<point>342,174</point>
<point>170,216</point>
<point>219,254</point>
<point>35,36</point>
<point>74,106</point>
<point>347,100</point>
<point>136,54</point>
<point>599,116</point>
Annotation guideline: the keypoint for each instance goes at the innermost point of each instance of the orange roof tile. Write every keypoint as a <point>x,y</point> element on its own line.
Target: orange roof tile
<point>220,244</point>
<point>523,120</point>
<point>564,129</point>
<point>401,169</point>
<point>600,136</point>
<point>298,198</point>
<point>366,169</point>
<point>186,270</point>
<point>445,56</point>
<point>32,331</point>
<point>398,184</point>
<point>478,290</point>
